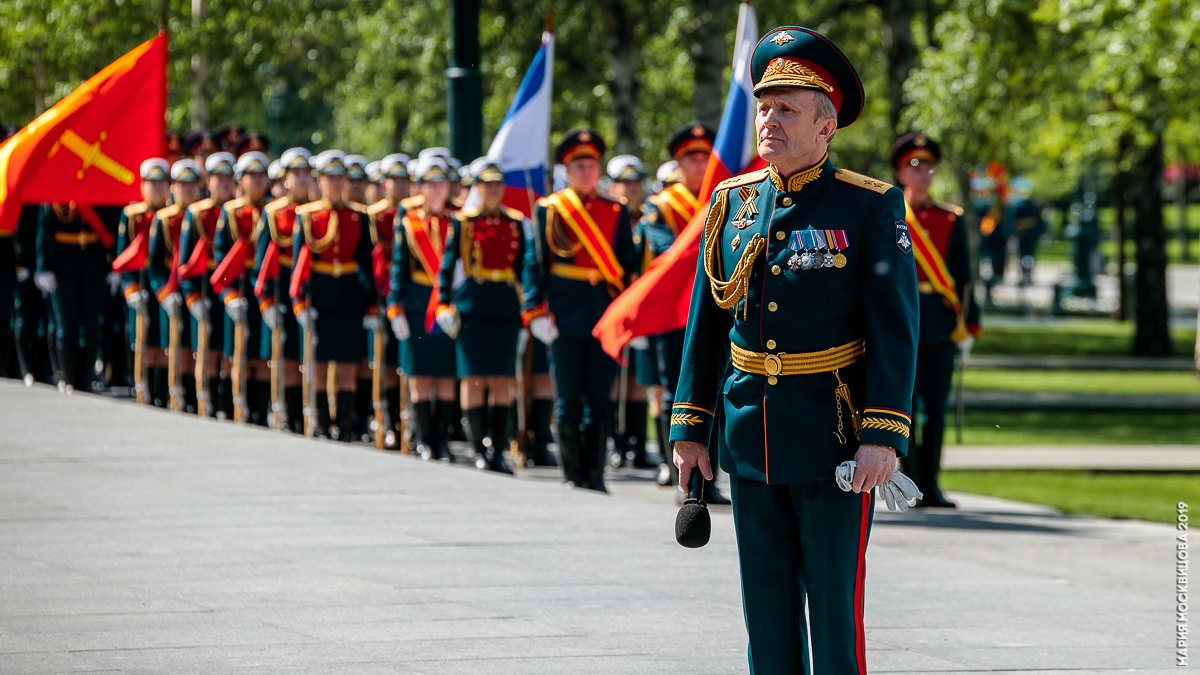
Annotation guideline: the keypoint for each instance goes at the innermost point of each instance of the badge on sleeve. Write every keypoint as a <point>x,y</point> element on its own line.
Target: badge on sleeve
<point>902,239</point>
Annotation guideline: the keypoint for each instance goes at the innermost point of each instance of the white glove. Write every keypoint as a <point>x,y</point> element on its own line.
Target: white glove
<point>114,282</point>
<point>171,304</point>
<point>543,328</point>
<point>448,321</point>
<point>899,492</point>
<point>236,309</point>
<point>640,343</point>
<point>199,309</point>
<point>964,346</point>
<point>372,323</point>
<point>22,273</point>
<point>45,281</point>
<point>307,319</point>
<point>400,327</point>
<point>273,317</point>
<point>137,301</point>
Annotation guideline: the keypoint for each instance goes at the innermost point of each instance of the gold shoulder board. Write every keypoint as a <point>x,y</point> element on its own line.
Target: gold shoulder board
<point>865,182</point>
<point>743,179</point>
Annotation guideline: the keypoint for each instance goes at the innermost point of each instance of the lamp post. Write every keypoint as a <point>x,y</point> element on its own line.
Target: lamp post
<point>464,91</point>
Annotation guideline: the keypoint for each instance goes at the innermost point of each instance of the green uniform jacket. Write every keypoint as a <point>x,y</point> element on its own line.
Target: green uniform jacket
<point>788,431</point>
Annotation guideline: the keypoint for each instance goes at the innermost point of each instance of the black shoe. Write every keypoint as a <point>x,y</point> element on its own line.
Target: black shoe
<point>712,495</point>
<point>934,499</point>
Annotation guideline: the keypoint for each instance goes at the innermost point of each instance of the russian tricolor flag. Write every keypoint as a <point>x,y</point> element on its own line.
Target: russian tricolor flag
<point>658,301</point>
<point>522,145</point>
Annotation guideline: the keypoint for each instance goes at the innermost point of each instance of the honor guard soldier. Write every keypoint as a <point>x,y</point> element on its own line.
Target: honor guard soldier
<point>668,173</point>
<point>33,328</point>
<point>426,357</point>
<point>356,195</point>
<point>334,301</point>
<point>487,246</point>
<point>273,276</point>
<point>384,215</point>
<point>798,355</point>
<point>627,173</point>
<point>162,270</point>
<point>588,247</point>
<point>234,245</point>
<point>133,243</point>
<point>949,318</point>
<point>73,247</point>
<point>196,266</point>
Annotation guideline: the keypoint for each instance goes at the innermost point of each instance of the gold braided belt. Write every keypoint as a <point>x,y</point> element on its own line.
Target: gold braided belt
<point>807,363</point>
<point>803,363</point>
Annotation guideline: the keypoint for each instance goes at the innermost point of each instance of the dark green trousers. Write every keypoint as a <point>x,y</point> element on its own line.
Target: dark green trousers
<point>799,544</point>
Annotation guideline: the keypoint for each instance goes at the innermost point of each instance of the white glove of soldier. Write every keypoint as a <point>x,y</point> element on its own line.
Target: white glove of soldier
<point>543,328</point>
<point>273,317</point>
<point>45,281</point>
<point>171,304</point>
<point>307,319</point>
<point>640,343</point>
<point>114,282</point>
<point>372,323</point>
<point>400,327</point>
<point>236,309</point>
<point>899,492</point>
<point>448,321</point>
<point>199,309</point>
<point>137,301</point>
<point>964,347</point>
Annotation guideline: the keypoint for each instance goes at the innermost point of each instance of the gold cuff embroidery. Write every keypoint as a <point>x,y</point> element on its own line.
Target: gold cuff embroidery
<point>886,425</point>
<point>686,420</point>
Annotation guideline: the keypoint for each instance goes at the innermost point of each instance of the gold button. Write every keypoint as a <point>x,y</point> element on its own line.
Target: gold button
<point>772,380</point>
<point>770,344</point>
<point>771,307</point>
<point>775,269</point>
<point>786,201</point>
<point>780,235</point>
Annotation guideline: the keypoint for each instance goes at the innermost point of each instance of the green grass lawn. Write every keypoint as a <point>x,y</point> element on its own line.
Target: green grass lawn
<point>1081,382</point>
<point>1052,427</point>
<point>1142,496</point>
<point>1075,337</point>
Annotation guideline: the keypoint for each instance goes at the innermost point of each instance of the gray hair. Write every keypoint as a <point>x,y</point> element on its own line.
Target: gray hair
<point>825,109</point>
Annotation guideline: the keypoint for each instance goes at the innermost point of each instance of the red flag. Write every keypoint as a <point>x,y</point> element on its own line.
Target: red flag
<point>133,258</point>
<point>268,271</point>
<point>232,267</point>
<point>380,268</point>
<point>301,271</point>
<point>172,284</point>
<point>88,147</point>
<point>197,264</point>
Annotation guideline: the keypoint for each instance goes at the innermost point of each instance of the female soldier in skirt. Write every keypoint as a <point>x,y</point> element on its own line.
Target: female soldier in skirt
<point>488,245</point>
<point>426,357</point>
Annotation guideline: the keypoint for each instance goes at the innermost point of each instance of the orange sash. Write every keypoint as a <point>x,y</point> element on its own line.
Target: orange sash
<point>585,229</point>
<point>680,205</point>
<point>930,260</point>
<point>428,253</point>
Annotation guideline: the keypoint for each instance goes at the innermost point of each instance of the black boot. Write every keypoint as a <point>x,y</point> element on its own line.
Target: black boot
<point>929,461</point>
<point>391,417</point>
<point>364,406</point>
<point>422,421</point>
<point>667,473</point>
<point>574,474</point>
<point>161,391</point>
<point>448,416</point>
<point>346,414</point>
<point>477,435</point>
<point>595,455</point>
<point>323,419</point>
<point>541,413</point>
<point>211,395</point>
<point>621,439</point>
<point>189,393</point>
<point>293,398</point>
<point>635,427</point>
<point>225,397</point>
<point>501,424</point>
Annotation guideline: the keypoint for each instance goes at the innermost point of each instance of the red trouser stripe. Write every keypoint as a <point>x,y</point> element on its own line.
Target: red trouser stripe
<point>860,639</point>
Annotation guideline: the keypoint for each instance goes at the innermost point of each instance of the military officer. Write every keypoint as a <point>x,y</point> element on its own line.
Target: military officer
<point>275,241</point>
<point>73,247</point>
<point>588,253</point>
<point>234,246</point>
<point>133,241</point>
<point>483,313</point>
<point>33,327</point>
<point>162,271</point>
<point>384,214</point>
<point>799,354</point>
<point>949,317</point>
<point>196,265</point>
<point>357,183</point>
<point>337,300</point>
<point>427,357</point>
<point>627,173</point>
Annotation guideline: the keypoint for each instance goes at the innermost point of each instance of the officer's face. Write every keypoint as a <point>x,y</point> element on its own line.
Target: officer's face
<point>692,166</point>
<point>790,135</point>
<point>254,186</point>
<point>154,192</point>
<point>916,174</point>
<point>583,174</point>
<point>492,192</point>
<point>332,187</point>
<point>436,192</point>
<point>221,187</point>
<point>298,183</point>
<point>186,193</point>
<point>397,188</point>
<point>356,189</point>
<point>629,191</point>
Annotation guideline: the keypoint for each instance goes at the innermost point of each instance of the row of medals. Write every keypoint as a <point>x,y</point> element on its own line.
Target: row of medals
<point>811,260</point>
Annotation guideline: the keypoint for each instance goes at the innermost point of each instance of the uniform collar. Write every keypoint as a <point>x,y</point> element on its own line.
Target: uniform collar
<point>798,180</point>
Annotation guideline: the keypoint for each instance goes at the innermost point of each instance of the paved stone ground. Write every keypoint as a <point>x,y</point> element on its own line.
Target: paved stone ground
<point>210,548</point>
